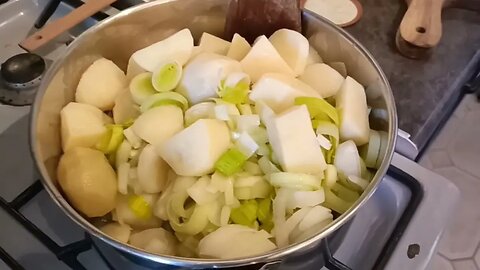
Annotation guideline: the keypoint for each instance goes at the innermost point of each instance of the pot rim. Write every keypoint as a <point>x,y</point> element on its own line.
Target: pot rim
<point>273,255</point>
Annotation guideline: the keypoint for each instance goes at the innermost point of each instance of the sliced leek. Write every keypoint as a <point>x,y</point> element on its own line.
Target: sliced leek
<point>317,107</point>
<point>167,98</point>
<point>166,76</point>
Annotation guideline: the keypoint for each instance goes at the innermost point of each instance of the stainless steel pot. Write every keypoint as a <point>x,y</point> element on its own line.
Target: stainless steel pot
<point>118,37</point>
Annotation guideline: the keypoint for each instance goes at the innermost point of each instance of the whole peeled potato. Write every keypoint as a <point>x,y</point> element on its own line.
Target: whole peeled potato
<point>100,84</point>
<point>88,180</point>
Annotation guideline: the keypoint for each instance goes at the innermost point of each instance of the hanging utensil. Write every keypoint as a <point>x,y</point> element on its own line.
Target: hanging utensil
<point>54,29</point>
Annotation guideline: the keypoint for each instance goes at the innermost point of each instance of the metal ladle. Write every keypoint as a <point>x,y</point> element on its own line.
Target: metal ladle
<point>22,73</point>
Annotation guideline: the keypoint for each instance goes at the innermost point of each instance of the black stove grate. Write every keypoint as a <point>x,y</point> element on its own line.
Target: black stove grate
<point>68,254</point>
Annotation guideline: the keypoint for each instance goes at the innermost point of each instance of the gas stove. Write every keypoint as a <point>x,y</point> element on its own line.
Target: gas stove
<point>398,228</point>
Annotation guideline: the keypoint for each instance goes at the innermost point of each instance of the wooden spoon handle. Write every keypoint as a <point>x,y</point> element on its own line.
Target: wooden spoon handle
<point>56,28</point>
<point>422,24</point>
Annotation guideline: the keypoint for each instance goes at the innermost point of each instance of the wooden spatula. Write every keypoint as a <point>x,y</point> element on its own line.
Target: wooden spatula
<point>421,27</point>
<point>56,28</point>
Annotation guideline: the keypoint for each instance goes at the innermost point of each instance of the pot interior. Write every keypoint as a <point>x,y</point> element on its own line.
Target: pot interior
<point>118,37</point>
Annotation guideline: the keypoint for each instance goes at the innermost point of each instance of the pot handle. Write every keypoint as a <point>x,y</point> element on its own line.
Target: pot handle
<point>271,265</point>
<point>56,28</point>
<point>330,262</point>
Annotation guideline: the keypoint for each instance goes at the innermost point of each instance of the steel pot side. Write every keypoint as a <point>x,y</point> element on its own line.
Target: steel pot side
<point>117,37</point>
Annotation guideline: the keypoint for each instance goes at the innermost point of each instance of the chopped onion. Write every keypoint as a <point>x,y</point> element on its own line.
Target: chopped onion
<point>123,153</point>
<point>263,150</point>
<point>316,215</point>
<point>252,168</point>
<point>283,230</point>
<point>324,142</point>
<point>299,236</point>
<point>252,187</point>
<point>199,193</point>
<point>279,206</point>
<point>347,160</point>
<point>132,138</point>
<point>225,215</point>
<point>359,183</point>
<point>267,166</point>
<point>370,151</point>
<point>329,129</point>
<point>195,224</point>
<point>122,177</point>
<point>330,176</point>
<point>218,182</point>
<point>199,111</point>
<point>259,134</point>
<point>300,199</point>
<point>182,183</point>
<point>344,192</point>
<point>230,199</point>
<point>335,203</point>
<point>221,112</point>
<point>246,144</point>
<point>383,148</point>
<point>246,123</point>
<point>297,181</point>
<point>234,241</point>
<point>214,213</point>
<point>160,209</point>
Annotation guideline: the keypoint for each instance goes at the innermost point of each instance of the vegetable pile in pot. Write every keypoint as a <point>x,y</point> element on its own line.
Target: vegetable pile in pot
<point>198,147</point>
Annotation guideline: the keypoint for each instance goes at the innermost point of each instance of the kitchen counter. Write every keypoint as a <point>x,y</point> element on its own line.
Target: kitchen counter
<point>426,91</point>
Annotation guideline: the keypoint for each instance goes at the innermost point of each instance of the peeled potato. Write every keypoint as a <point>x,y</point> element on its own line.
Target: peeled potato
<point>351,103</point>
<point>177,47</point>
<point>323,78</point>
<point>82,125</point>
<point>100,84</point>
<point>313,56</point>
<point>202,76</point>
<point>213,44</point>
<point>152,171</point>
<point>264,58</point>
<point>125,108</point>
<point>238,48</point>
<point>158,124</point>
<point>88,181</point>
<point>121,232</point>
<point>279,91</point>
<point>293,47</point>
<point>194,150</point>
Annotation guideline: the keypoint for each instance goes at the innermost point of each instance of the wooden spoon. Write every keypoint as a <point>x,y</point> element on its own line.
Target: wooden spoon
<point>56,28</point>
<point>421,27</point>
